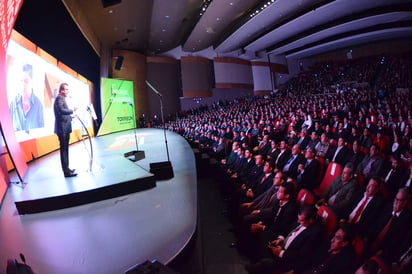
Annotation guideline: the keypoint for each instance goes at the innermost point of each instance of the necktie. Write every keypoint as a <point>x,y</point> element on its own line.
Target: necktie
<point>291,236</point>
<point>383,233</point>
<point>389,175</point>
<point>358,212</point>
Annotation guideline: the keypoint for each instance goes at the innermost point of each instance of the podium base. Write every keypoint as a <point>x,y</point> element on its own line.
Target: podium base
<point>135,155</point>
<point>162,170</point>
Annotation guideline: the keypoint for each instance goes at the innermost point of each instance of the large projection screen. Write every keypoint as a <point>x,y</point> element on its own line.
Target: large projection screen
<point>33,80</point>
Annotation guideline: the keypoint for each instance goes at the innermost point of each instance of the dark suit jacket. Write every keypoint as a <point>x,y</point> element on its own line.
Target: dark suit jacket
<point>300,251</point>
<point>309,179</point>
<point>293,168</point>
<point>62,114</point>
<point>286,218</point>
<point>342,156</point>
<point>260,186</point>
<point>369,215</point>
<point>281,162</point>
<point>398,229</point>
<point>394,182</point>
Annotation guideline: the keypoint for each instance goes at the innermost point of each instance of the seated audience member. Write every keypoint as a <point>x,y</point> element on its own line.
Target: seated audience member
<point>309,172</point>
<point>266,199</point>
<point>238,164</point>
<point>322,147</point>
<point>353,136</point>
<point>355,156</point>
<point>314,140</point>
<point>392,177</point>
<point>246,167</point>
<point>295,251</point>
<point>295,159</point>
<point>365,207</point>
<point>283,156</point>
<point>339,193</point>
<point>338,154</point>
<point>243,138</point>
<point>278,218</point>
<point>292,139</point>
<point>371,164</point>
<point>264,146</point>
<point>391,226</point>
<point>341,257</point>
<point>274,151</point>
<point>263,183</point>
<point>232,157</point>
<point>303,138</point>
<point>218,151</point>
<point>365,140</point>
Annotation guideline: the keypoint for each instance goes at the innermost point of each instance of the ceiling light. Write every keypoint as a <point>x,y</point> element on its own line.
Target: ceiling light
<point>110,11</point>
<point>218,19</point>
<point>231,3</point>
<point>167,16</point>
<point>163,30</point>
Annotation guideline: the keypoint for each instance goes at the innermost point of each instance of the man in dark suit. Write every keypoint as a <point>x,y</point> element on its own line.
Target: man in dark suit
<point>338,154</point>
<point>309,173</point>
<point>295,251</point>
<point>391,227</point>
<point>365,207</point>
<point>341,257</point>
<point>63,127</point>
<point>291,166</point>
<point>392,177</point>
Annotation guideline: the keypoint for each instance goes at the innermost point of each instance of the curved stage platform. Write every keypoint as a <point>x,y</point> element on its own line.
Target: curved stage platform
<point>121,215</point>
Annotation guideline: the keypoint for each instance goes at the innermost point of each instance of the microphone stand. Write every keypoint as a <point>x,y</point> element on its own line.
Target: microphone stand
<point>138,154</point>
<point>162,170</point>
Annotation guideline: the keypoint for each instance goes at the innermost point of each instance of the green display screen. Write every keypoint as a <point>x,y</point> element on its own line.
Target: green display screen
<point>117,105</point>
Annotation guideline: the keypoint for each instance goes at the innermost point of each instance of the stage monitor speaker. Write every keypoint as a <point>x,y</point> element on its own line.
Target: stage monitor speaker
<point>148,267</point>
<point>135,155</point>
<point>108,3</point>
<point>162,170</point>
<point>119,63</point>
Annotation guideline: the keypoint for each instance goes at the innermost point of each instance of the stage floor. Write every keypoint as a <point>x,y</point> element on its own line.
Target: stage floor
<point>107,236</point>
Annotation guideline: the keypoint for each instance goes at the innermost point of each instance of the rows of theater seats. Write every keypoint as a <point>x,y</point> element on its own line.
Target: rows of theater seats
<point>345,156</point>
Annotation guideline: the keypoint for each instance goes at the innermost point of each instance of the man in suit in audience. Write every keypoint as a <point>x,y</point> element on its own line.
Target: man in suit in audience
<point>309,172</point>
<point>303,138</point>
<point>339,193</point>
<point>340,258</point>
<point>283,156</point>
<point>265,200</point>
<point>262,184</point>
<point>338,154</point>
<point>365,207</point>
<point>355,156</point>
<point>291,166</point>
<point>295,251</point>
<point>392,177</point>
<point>391,226</point>
<point>371,164</point>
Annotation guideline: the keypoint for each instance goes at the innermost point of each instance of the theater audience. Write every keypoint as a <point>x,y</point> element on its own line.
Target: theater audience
<point>330,101</point>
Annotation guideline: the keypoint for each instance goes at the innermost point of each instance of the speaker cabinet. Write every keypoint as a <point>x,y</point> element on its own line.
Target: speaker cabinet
<point>162,170</point>
<point>119,63</point>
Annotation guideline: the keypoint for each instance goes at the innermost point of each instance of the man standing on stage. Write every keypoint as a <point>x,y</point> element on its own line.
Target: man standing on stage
<point>63,127</point>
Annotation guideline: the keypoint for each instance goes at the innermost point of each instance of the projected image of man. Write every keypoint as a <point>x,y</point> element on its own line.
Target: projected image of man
<point>63,127</point>
<point>26,108</point>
